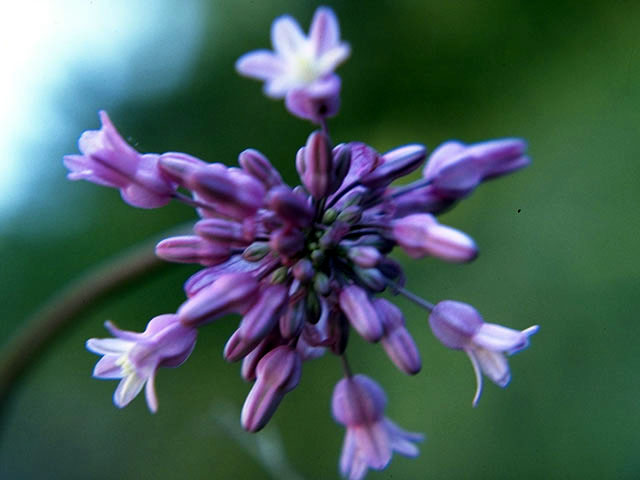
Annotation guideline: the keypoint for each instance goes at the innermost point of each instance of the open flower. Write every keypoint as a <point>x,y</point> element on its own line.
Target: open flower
<point>459,326</point>
<point>135,357</point>
<point>301,67</point>
<point>110,161</point>
<point>358,403</point>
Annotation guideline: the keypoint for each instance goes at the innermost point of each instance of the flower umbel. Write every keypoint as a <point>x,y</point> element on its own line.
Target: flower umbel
<point>303,265</point>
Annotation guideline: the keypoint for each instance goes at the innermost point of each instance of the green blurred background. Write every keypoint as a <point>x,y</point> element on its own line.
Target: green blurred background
<point>558,240</point>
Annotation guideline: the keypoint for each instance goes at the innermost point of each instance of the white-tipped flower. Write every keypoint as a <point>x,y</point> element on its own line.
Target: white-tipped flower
<point>459,326</point>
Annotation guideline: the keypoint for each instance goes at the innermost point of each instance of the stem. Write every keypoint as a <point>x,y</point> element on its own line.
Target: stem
<point>325,127</point>
<point>69,304</point>
<point>190,201</point>
<point>414,298</point>
<point>345,365</point>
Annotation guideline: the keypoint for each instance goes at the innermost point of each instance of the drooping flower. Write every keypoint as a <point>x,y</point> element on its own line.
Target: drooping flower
<point>358,403</point>
<point>108,160</point>
<point>459,326</point>
<point>300,68</point>
<point>135,357</point>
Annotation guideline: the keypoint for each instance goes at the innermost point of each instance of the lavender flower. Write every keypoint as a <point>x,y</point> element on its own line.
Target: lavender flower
<point>459,326</point>
<point>135,357</point>
<point>358,403</point>
<point>303,265</point>
<point>108,160</point>
<point>300,69</point>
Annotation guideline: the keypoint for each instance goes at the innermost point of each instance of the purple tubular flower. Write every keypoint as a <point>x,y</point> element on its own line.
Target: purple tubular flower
<point>420,200</point>
<point>395,164</point>
<point>358,403</point>
<point>355,304</point>
<point>287,241</point>
<point>277,373</point>
<point>179,167</point>
<point>257,165</point>
<point>364,257</point>
<point>257,323</point>
<point>455,170</point>
<point>397,341</point>
<point>207,276</point>
<point>192,249</point>
<point>290,206</point>
<point>232,292</point>
<point>135,357</point>
<point>227,232</point>
<point>231,191</point>
<point>109,161</point>
<point>460,327</point>
<point>420,234</point>
<point>315,165</point>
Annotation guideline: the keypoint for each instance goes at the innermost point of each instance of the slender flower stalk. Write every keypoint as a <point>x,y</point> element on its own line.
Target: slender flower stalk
<point>303,266</point>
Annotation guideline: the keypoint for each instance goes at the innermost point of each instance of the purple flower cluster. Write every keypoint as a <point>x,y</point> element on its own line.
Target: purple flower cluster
<point>303,265</point>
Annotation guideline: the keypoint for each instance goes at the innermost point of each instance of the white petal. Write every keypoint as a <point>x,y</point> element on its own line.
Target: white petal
<point>127,390</point>
<point>348,453</point>
<point>324,32</point>
<point>498,338</point>
<point>286,36</point>
<point>328,62</point>
<point>494,365</point>
<point>105,346</point>
<point>478,374</point>
<point>261,64</point>
<point>107,367</point>
<point>373,442</point>
<point>278,87</point>
<point>150,393</point>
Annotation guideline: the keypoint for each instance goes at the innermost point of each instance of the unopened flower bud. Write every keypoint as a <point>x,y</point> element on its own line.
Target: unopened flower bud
<point>312,307</point>
<point>225,231</point>
<point>291,207</point>
<point>397,341</point>
<point>178,167</point>
<point>342,162</point>
<point>371,278</point>
<point>364,257</point>
<point>351,214</point>
<point>303,270</point>
<point>287,241</point>
<point>420,234</point>
<point>256,251</point>
<point>192,249</point>
<point>332,236</point>
<point>233,292</point>
<point>263,315</point>
<point>355,304</point>
<point>396,163</point>
<point>329,216</point>
<point>321,284</point>
<point>292,321</point>
<point>277,373</point>
<point>315,166</point>
<point>257,165</point>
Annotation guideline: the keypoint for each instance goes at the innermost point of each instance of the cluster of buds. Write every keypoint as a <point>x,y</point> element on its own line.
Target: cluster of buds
<point>303,265</point>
